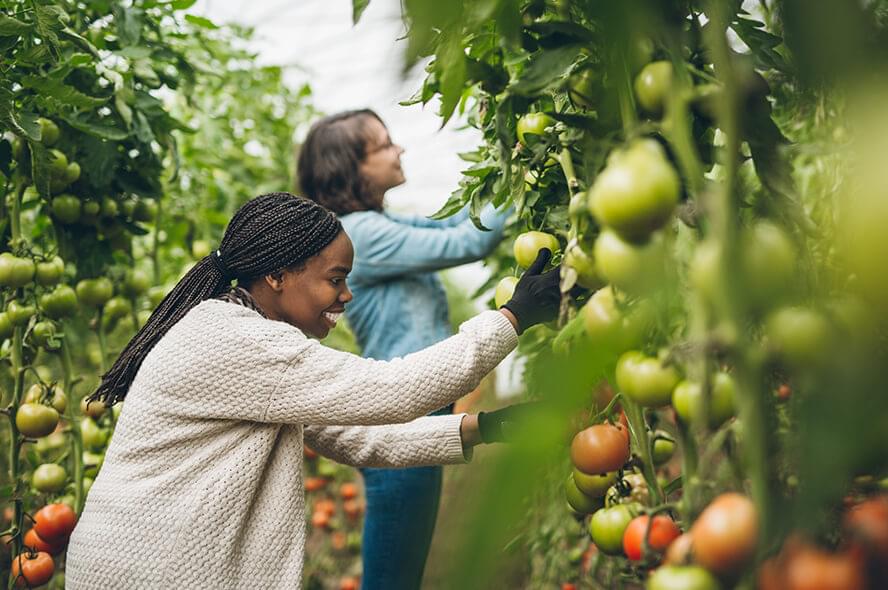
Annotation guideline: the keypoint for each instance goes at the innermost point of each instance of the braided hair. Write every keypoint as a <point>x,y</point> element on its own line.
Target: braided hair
<point>329,160</point>
<point>268,234</point>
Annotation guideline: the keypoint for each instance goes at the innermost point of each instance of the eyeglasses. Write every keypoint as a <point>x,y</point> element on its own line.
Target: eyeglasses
<point>386,146</point>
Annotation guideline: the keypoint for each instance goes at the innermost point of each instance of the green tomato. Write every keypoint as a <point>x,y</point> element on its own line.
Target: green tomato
<point>109,207</point>
<point>58,164</point>
<point>92,462</point>
<point>652,86</point>
<point>91,210</point>
<point>594,486</point>
<point>631,267</point>
<point>56,397</point>
<point>117,308</point>
<point>43,334</point>
<point>135,283</point>
<point>200,249</point>
<point>663,450</point>
<point>504,291</point>
<point>36,420</point>
<point>49,132</point>
<point>528,245</point>
<point>608,525</point>
<point>582,88</point>
<point>95,292</point>
<point>20,314</point>
<point>66,208</point>
<point>584,265</point>
<point>703,271</point>
<point>49,272</point>
<point>15,272</point>
<point>768,261</point>
<point>156,295</point>
<point>579,501</point>
<point>7,329</point>
<point>686,399</point>
<point>605,322</point>
<point>637,191</point>
<point>72,172</point>
<point>801,336</point>
<point>646,380</point>
<point>145,210</point>
<point>51,442</point>
<point>61,302</point>
<point>682,577</point>
<point>94,438</point>
<point>49,477</point>
<point>533,123</point>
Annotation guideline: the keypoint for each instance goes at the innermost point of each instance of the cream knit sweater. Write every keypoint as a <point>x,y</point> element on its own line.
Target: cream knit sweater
<point>202,484</point>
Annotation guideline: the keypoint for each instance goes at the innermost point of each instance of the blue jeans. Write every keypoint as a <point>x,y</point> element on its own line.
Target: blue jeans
<point>402,505</point>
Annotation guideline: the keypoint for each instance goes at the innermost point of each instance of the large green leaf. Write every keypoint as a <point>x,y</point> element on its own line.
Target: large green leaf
<point>544,69</point>
<point>11,26</point>
<point>100,130</point>
<point>450,65</point>
<point>358,8</point>
<point>55,88</point>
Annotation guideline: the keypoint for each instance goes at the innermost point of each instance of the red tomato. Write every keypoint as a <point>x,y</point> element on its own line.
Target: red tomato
<point>352,509</point>
<point>600,448</point>
<point>313,484</point>
<point>348,491</point>
<point>33,540</point>
<point>349,583</point>
<point>679,550</point>
<point>54,522</point>
<point>726,533</point>
<point>320,519</point>
<point>325,505</point>
<point>663,532</point>
<point>868,523</point>
<point>34,569</point>
<point>810,568</point>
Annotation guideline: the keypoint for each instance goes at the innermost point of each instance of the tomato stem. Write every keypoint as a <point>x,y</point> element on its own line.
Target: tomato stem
<point>74,425</point>
<point>638,430</point>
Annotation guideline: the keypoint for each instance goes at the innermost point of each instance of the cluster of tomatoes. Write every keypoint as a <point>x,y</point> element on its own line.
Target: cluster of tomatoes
<point>52,526</point>
<point>335,516</point>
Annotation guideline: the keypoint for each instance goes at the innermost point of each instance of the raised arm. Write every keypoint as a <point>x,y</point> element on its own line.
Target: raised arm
<point>387,248</point>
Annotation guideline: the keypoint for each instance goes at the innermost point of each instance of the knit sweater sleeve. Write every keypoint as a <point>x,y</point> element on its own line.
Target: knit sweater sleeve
<point>431,440</point>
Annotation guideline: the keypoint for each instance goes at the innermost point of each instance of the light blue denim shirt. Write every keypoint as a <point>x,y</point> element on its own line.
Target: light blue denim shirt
<point>399,303</point>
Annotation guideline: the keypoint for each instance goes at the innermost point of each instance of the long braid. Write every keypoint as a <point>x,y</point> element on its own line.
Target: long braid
<point>267,234</point>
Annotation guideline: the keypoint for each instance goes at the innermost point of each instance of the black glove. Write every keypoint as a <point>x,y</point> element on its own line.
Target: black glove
<point>495,426</point>
<point>537,295</point>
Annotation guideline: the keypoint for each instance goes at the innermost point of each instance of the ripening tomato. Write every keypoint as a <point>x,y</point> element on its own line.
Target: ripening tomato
<point>599,449</point>
<point>72,173</point>
<point>662,532</point>
<point>725,534</point>
<point>686,399</point>
<point>348,491</point>
<point>584,265</point>
<point>682,577</point>
<point>49,477</point>
<point>577,500</point>
<point>54,522</point>
<point>504,291</point>
<point>35,542</point>
<point>93,409</point>
<point>606,323</point>
<point>635,268</point>
<point>55,395</point>
<point>36,420</point>
<point>652,86</point>
<point>7,329</point>
<point>313,484</point>
<point>637,191</point>
<point>608,525</point>
<point>32,569</point>
<point>527,246</point>
<point>810,568</point>
<point>868,522</point>
<point>15,272</point>
<point>94,438</point>
<point>533,124</point>
<point>59,303</point>
<point>95,292</point>
<point>679,550</point>
<point>594,485</point>
<point>58,163</point>
<point>645,379</point>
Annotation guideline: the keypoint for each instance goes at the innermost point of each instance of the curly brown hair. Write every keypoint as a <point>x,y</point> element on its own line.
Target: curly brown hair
<point>328,164</point>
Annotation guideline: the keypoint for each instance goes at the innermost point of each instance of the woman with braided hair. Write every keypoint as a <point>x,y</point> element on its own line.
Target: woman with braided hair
<point>348,163</point>
<point>201,485</point>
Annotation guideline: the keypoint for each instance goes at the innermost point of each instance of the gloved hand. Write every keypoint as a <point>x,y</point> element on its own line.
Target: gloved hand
<point>537,295</point>
<point>496,425</point>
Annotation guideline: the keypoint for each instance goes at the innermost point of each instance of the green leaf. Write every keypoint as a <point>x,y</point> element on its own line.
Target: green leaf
<point>100,130</point>
<point>10,26</point>
<point>22,124</point>
<point>543,69</point>
<point>475,207</point>
<point>358,8</point>
<point>129,24</point>
<point>48,20</point>
<point>80,41</point>
<point>454,205</point>
<point>201,22</point>
<point>182,4</point>
<point>55,88</point>
<point>450,64</point>
<point>40,168</point>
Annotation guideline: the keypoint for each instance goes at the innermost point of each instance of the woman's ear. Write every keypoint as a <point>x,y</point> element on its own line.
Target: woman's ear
<point>275,281</point>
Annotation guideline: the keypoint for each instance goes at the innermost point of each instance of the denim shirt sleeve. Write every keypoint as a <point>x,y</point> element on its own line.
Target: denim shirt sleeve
<point>419,221</point>
<point>386,247</point>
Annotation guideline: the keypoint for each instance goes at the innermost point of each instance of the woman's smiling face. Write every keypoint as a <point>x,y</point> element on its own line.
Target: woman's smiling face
<point>313,297</point>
